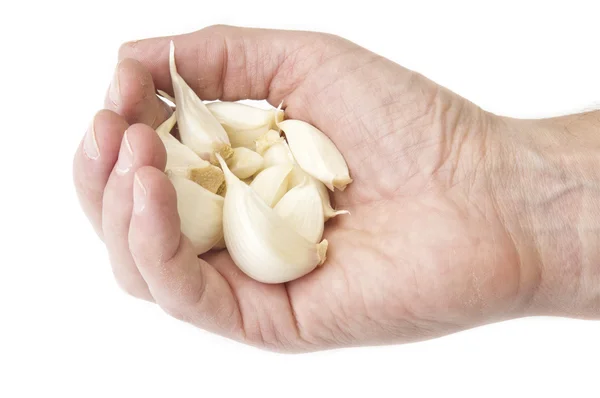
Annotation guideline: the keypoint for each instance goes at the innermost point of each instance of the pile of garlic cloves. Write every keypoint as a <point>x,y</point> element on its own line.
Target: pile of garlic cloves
<point>251,182</point>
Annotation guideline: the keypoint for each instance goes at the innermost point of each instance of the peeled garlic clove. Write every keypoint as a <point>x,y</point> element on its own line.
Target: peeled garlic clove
<point>244,162</point>
<point>182,161</point>
<point>198,128</point>
<point>297,176</point>
<point>165,127</point>
<point>244,123</point>
<point>220,245</point>
<point>316,154</point>
<point>272,183</point>
<point>278,153</point>
<point>328,211</point>
<point>260,242</point>
<point>267,140</point>
<point>301,207</point>
<point>200,212</point>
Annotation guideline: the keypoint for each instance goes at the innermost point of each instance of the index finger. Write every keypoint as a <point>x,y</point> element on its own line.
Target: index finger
<point>231,63</point>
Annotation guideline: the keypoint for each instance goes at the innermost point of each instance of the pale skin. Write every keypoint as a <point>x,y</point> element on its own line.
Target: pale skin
<point>459,217</point>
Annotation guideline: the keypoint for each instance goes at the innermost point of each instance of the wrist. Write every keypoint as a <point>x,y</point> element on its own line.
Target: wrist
<point>545,177</point>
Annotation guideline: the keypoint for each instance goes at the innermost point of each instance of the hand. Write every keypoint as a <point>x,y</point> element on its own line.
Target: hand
<point>428,249</point>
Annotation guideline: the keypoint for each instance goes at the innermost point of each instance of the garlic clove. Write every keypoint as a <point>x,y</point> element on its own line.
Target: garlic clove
<point>278,153</point>
<point>260,242</point>
<point>244,162</point>
<point>182,161</point>
<point>165,127</point>
<point>297,176</point>
<point>244,123</point>
<point>200,212</point>
<point>272,183</point>
<point>268,139</point>
<point>220,245</point>
<point>301,207</point>
<point>166,96</point>
<point>198,128</point>
<point>316,153</point>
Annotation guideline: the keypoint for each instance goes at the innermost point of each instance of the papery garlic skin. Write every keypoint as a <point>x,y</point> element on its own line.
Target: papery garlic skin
<point>200,212</point>
<point>244,162</point>
<point>301,207</point>
<point>198,128</point>
<point>272,183</point>
<point>182,161</point>
<point>260,242</point>
<point>316,153</point>
<point>166,96</point>
<point>244,123</point>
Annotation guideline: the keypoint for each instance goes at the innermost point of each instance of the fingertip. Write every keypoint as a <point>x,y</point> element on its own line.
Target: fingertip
<point>146,145</point>
<point>104,135</point>
<point>94,160</point>
<point>155,203</point>
<point>126,49</point>
<point>153,186</point>
<point>132,94</point>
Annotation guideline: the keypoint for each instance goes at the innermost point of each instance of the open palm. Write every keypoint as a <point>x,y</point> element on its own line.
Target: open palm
<point>423,253</point>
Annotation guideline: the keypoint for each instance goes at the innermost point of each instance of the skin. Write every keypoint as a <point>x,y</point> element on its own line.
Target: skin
<point>459,217</point>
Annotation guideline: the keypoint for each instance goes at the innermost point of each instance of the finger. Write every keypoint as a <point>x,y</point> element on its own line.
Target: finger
<point>230,63</point>
<point>132,95</point>
<point>94,161</point>
<point>181,283</point>
<point>140,147</point>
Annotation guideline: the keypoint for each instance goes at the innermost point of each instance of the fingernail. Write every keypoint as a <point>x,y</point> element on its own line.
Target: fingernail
<point>125,160</point>
<point>114,92</point>
<point>139,195</point>
<point>90,145</point>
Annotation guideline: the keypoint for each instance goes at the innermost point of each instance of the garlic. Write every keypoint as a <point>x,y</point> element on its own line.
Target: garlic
<point>200,212</point>
<point>301,207</point>
<point>166,96</point>
<point>244,162</point>
<point>260,242</point>
<point>165,127</point>
<point>244,123</point>
<point>267,140</point>
<point>272,183</point>
<point>182,161</point>
<point>316,153</point>
<point>297,176</point>
<point>220,245</point>
<point>278,153</point>
<point>198,128</point>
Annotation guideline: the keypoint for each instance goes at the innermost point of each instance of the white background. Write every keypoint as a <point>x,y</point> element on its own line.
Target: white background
<point>67,329</point>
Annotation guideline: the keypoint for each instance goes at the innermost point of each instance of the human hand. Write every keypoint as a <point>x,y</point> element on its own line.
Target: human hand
<point>433,244</point>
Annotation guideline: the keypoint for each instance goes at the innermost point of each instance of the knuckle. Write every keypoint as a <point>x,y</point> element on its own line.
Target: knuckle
<point>217,28</point>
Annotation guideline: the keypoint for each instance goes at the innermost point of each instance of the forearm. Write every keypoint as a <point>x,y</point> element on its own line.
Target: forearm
<point>546,182</point>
